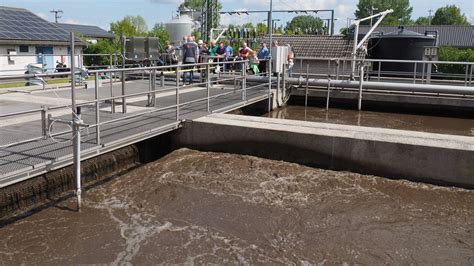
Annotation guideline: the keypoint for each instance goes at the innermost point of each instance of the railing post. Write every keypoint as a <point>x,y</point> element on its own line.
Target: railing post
<point>44,69</point>
<point>162,79</point>
<point>470,75</point>
<point>361,84</point>
<point>244,82</point>
<point>124,99</point>
<point>97,110</point>
<point>177,93</point>
<point>112,77</point>
<point>208,87</point>
<point>466,77</point>
<point>415,74</point>
<point>307,85</point>
<point>150,89</point>
<point>380,70</point>
<point>154,87</point>
<point>329,90</point>
<point>44,121</point>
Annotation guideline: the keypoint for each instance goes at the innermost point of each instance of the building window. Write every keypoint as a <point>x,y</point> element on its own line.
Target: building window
<point>24,49</point>
<point>11,58</point>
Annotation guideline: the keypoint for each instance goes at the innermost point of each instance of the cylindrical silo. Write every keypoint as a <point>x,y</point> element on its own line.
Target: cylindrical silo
<point>179,27</point>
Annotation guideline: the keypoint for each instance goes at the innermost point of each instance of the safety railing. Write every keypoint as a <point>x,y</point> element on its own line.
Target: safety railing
<point>408,71</point>
<point>158,80</point>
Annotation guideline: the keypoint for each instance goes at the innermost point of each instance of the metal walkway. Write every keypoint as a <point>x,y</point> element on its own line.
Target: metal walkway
<point>25,154</point>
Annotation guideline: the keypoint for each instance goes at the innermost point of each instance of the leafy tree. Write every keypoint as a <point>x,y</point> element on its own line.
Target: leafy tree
<point>139,23</point>
<point>159,31</point>
<point>422,21</point>
<point>401,11</point>
<point>447,53</point>
<point>261,28</point>
<point>129,26</point>
<point>101,47</point>
<point>305,24</point>
<point>449,15</point>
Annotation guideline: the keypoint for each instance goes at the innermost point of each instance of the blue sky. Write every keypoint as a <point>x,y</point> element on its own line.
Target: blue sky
<point>102,12</point>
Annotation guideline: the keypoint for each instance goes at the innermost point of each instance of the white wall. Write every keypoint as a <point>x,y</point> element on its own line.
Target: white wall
<point>21,60</point>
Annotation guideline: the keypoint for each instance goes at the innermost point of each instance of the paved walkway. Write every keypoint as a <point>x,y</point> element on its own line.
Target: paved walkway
<point>22,161</point>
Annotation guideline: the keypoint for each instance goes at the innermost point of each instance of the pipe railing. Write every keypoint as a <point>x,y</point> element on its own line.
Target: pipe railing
<point>154,71</point>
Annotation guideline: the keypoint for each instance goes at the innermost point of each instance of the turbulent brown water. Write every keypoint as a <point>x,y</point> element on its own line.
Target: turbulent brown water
<point>424,123</point>
<point>194,207</point>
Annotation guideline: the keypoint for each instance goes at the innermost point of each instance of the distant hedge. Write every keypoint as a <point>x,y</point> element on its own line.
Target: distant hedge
<point>447,53</point>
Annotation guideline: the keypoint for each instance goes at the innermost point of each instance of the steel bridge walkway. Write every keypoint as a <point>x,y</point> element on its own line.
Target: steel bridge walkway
<point>22,161</point>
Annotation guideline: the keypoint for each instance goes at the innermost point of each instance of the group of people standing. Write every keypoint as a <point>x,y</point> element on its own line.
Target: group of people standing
<point>192,53</point>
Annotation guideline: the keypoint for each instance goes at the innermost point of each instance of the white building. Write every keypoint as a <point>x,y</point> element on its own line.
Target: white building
<point>26,38</point>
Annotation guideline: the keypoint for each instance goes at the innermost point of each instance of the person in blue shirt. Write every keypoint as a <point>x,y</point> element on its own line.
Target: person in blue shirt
<point>229,52</point>
<point>262,55</point>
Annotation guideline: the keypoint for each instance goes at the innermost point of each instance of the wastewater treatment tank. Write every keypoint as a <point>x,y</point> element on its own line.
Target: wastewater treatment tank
<point>400,45</point>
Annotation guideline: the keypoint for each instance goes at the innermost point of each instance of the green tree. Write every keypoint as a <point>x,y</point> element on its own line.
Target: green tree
<point>401,11</point>
<point>447,53</point>
<point>159,31</point>
<point>449,15</point>
<point>129,26</point>
<point>101,47</point>
<point>139,23</point>
<point>305,24</point>
<point>261,28</point>
<point>422,21</point>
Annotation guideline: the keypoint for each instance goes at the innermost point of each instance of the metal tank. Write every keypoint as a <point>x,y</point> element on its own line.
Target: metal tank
<point>179,27</point>
<point>400,45</point>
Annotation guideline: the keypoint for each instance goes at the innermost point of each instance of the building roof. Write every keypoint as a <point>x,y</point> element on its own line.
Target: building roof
<point>317,46</point>
<point>449,35</point>
<point>87,31</point>
<point>18,25</point>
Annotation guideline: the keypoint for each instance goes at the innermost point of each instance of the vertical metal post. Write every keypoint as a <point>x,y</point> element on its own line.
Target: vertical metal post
<point>162,79</point>
<point>44,121</point>
<point>177,93</point>
<point>466,78</point>
<point>361,84</point>
<point>76,116</point>
<point>307,85</point>
<point>423,74</point>
<point>380,69</point>
<point>283,89</point>
<point>277,94</point>
<point>124,100</point>
<point>470,75</point>
<point>327,97</point>
<point>354,50</point>
<point>270,32</point>
<point>43,66</point>
<point>97,110</point>
<point>154,87</point>
<point>332,22</point>
<point>112,77</point>
<point>414,74</point>
<point>338,64</point>
<point>208,87</point>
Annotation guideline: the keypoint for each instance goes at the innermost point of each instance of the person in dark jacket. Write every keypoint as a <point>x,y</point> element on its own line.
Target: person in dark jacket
<point>190,56</point>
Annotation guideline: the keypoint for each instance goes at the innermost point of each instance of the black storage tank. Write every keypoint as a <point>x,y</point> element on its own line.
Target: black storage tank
<point>400,45</point>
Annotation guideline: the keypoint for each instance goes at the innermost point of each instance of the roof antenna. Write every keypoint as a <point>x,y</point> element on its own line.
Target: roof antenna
<point>57,14</point>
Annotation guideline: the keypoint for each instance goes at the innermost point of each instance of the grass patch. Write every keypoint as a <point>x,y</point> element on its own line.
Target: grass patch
<point>18,84</point>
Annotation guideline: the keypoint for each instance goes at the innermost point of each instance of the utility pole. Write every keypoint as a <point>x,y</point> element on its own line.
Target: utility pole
<point>57,14</point>
<point>429,17</point>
